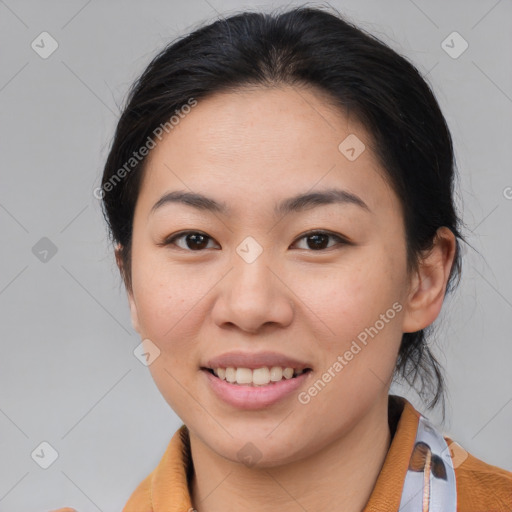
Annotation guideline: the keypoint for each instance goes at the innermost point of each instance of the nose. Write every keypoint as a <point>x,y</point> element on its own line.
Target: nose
<point>253,296</point>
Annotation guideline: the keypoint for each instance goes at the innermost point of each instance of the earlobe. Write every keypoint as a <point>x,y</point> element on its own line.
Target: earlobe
<point>133,313</point>
<point>429,283</point>
<point>131,300</point>
<point>119,259</point>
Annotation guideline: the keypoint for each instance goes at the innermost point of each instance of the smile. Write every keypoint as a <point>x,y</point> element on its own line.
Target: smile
<point>255,389</point>
<point>258,376</point>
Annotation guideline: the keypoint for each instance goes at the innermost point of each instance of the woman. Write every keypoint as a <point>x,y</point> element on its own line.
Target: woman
<point>279,190</point>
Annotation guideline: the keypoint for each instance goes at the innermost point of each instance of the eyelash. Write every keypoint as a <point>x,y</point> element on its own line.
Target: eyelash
<point>170,240</point>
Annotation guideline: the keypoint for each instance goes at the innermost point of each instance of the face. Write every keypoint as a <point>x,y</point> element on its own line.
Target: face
<point>318,285</point>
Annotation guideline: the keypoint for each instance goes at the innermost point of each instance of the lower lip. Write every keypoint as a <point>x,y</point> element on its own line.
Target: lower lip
<point>254,397</point>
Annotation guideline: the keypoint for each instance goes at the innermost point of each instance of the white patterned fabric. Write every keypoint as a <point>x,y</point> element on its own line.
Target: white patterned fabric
<point>430,479</point>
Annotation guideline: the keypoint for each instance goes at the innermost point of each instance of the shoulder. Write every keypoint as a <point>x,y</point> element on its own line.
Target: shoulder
<point>480,486</point>
<point>167,484</point>
<point>140,499</point>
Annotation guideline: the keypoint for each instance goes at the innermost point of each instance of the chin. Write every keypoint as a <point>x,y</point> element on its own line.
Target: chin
<point>260,452</point>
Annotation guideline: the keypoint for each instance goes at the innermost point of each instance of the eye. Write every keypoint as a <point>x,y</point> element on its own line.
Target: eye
<point>317,240</point>
<point>197,241</point>
<point>193,240</point>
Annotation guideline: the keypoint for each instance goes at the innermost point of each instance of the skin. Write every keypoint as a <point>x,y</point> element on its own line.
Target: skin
<point>252,149</point>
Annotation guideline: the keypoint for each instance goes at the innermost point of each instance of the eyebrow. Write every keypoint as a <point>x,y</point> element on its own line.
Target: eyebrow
<point>296,203</point>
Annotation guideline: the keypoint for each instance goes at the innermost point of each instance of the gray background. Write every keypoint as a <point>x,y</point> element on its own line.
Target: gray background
<point>68,375</point>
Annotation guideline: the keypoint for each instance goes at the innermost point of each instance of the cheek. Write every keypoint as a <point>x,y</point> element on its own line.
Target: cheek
<point>169,309</point>
<point>173,384</point>
<point>166,297</point>
<point>358,310</point>
<point>349,297</point>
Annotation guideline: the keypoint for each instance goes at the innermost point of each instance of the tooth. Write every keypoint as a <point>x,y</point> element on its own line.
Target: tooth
<point>243,376</point>
<point>231,374</point>
<point>276,373</point>
<point>260,376</point>
<point>288,373</point>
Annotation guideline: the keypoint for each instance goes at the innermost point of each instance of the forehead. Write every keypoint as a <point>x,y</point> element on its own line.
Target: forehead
<point>273,123</point>
<point>264,143</point>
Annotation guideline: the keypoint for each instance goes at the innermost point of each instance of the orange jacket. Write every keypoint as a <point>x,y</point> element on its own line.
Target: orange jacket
<point>480,486</point>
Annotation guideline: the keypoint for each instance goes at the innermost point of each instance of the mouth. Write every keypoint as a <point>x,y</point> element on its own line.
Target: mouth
<point>257,377</point>
<point>255,388</point>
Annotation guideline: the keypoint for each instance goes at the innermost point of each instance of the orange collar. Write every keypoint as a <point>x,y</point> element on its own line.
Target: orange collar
<point>169,491</point>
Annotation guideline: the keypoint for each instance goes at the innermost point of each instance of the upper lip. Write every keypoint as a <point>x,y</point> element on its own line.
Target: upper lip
<point>254,360</point>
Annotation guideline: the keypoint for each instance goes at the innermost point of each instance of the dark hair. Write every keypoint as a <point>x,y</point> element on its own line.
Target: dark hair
<point>306,47</point>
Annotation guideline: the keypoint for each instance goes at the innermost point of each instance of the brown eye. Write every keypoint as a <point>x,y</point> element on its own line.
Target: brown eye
<point>319,240</point>
<point>192,240</point>
<point>197,241</point>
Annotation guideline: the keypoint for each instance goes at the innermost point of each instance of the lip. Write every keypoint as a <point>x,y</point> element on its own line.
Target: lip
<point>255,360</point>
<point>253,397</point>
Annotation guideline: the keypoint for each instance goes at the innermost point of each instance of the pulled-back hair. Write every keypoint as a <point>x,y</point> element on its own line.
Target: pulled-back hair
<point>357,72</point>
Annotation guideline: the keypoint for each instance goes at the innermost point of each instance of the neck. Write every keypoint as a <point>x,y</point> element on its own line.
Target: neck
<point>340,476</point>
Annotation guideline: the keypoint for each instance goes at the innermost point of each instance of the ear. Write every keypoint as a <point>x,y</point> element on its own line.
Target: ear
<point>428,284</point>
<point>131,300</point>
<point>133,313</point>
